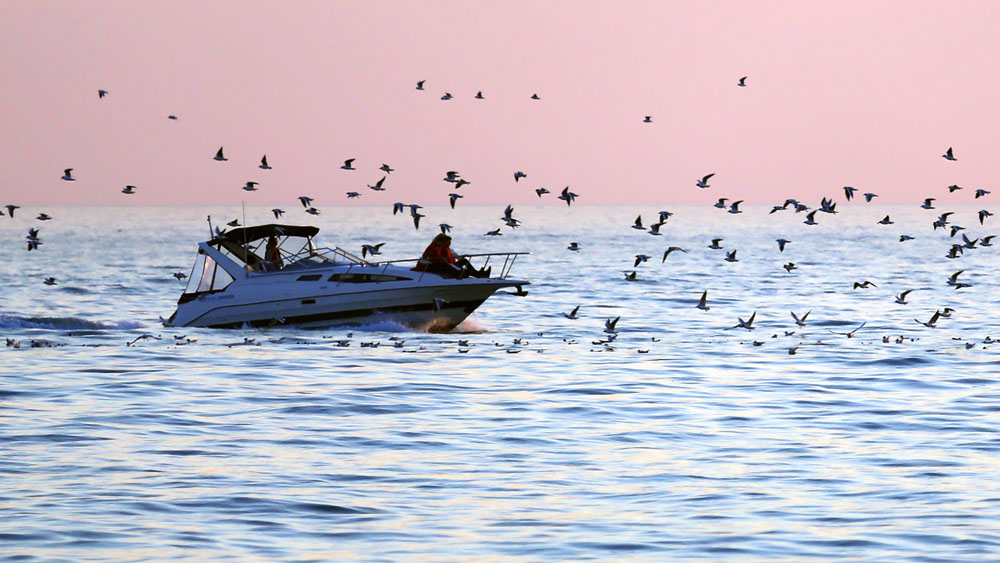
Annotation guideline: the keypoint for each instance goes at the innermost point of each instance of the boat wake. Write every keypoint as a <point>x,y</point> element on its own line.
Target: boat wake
<point>64,323</point>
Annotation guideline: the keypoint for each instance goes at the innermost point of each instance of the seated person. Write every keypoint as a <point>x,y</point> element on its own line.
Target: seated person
<point>438,259</point>
<point>272,257</point>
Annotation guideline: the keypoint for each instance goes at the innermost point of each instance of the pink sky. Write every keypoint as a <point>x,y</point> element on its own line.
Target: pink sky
<point>868,94</point>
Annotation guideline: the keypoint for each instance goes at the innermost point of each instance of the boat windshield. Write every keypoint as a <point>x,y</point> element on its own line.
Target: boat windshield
<point>291,253</point>
<point>207,276</point>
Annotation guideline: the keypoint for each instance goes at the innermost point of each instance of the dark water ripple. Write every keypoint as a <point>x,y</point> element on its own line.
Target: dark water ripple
<point>710,445</point>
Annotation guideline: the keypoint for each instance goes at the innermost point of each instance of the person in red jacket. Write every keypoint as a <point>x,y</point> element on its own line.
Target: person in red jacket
<point>438,259</point>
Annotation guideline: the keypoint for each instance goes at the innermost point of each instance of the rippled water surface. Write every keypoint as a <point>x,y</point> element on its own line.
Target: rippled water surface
<point>682,439</point>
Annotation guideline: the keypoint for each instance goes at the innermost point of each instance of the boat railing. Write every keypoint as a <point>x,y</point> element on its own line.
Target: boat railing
<point>505,268</point>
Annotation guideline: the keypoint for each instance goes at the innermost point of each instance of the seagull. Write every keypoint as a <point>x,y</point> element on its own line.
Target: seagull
<point>630,276</point>
<point>864,285</point>
<point>374,250</point>
<point>263,163</point>
<point>986,240</point>
<point>948,155</point>
<point>518,175</point>
<point>234,223</point>
<point>931,323</point>
<point>251,186</point>
<point>664,215</point>
<point>904,238</point>
<point>49,281</point>
<point>731,256</point>
<point>742,82</point>
<point>801,321</point>
<point>494,233</point>
<point>479,95</point>
<point>33,241</point>
<point>416,218</point>
<point>946,313</point>
<point>609,325</point>
<point>535,97</point>
<point>849,192</point>
<point>927,203</point>
<point>446,96</point>
<point>173,117</point>
<point>312,211</point>
<point>420,84</point>
<point>219,156</point>
<point>954,188</point>
<point>982,193</point>
<point>572,314</point>
<point>348,164</point>
<point>886,221</point>
<point>669,250</point>
<point>790,266</point>
<point>955,229</point>
<point>575,247</point>
<point>901,298</point>
<point>849,334</point>
<point>102,93</point>
<point>721,204</point>
<point>639,259</point>
<point>128,190</point>
<point>703,302</point>
<point>638,224</point>
<point>781,244</point>
<point>452,198</point>
<point>648,119</point>
<point>748,324</point>
<point>776,209</point>
<point>10,210</point>
<point>654,229</point>
<point>869,197</point>
<point>703,183</point>
<point>306,201</point>
<point>567,196</point>
<point>811,218</point>
<point>451,176</point>
<point>378,185</point>
<point>352,195</point>
<point>953,279</point>
<point>179,275</point>
<point>983,214</point>
<point>277,212</point>
<point>541,191</point>
<point>734,207</point>
<point>715,244</point>
<point>68,175</point>
<point>44,217</point>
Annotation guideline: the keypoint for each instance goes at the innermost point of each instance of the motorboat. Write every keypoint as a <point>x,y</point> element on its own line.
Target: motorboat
<point>232,285</point>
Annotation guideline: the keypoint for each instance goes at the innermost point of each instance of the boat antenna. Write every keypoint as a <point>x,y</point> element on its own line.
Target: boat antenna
<point>246,249</point>
<point>211,234</point>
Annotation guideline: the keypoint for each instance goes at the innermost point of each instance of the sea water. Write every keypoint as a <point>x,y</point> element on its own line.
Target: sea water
<point>537,439</point>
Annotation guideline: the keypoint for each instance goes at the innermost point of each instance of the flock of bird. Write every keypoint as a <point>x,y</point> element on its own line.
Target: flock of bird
<point>456,182</point>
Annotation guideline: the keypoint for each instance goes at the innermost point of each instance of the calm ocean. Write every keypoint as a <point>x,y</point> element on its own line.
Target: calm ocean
<point>683,439</point>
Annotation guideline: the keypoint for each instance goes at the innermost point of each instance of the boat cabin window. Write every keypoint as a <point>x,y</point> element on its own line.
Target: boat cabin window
<point>365,278</point>
<point>310,277</point>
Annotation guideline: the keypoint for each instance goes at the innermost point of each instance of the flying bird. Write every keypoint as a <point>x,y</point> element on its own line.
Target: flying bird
<point>68,175</point>
<point>743,82</point>
<point>928,203</point>
<point>731,256</point>
<point>452,198</point>
<point>263,163</point>
<point>703,302</point>
<point>541,191</point>
<point>647,119</point>
<point>790,266</point>
<point>567,196</point>
<point>781,244</point>
<point>801,321</point>
<point>277,212</point>
<point>901,298</point>
<point>610,324</point>
<point>44,217</point>
<point>864,285</point>
<point>535,97</point>
<point>886,221</point>
<point>811,218</point>
<point>949,155</point>
<point>11,208</point>
<point>575,247</point>
<point>386,168</point>
<point>669,250</point>
<point>518,175</point>
<point>446,96</point>
<point>101,93</point>
<point>638,223</point>
<point>572,314</point>
<point>494,233</point>
<point>373,249</point>
<point>49,281</point>
<point>983,214</point>
<point>747,324</point>
<point>312,211</point>
<point>703,183</point>
<point>251,186</point>
<point>352,195</point>
<point>849,334</point>
<point>869,197</point>
<point>378,185</point>
<point>128,190</point>
<point>306,201</point>
<point>849,192</point>
<point>479,95</point>
<point>348,164</point>
<point>982,193</point>
<point>715,244</point>
<point>639,259</point>
<point>954,188</point>
<point>932,323</point>
<point>420,84</point>
<point>219,156</point>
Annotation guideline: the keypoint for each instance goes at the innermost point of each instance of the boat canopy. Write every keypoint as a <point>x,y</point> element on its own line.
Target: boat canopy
<point>249,234</point>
